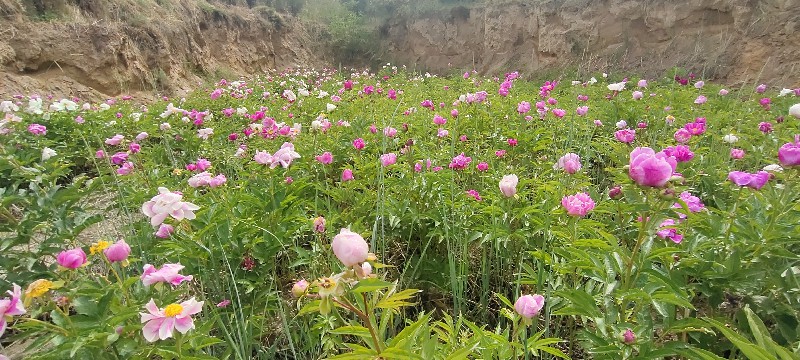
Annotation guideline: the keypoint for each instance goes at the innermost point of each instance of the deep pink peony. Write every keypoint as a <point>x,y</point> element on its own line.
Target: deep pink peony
<point>648,168</point>
<point>789,153</point>
<point>578,205</point>
<point>72,259</point>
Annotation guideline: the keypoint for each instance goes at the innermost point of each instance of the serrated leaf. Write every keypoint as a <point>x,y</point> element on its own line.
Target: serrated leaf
<point>397,300</point>
<point>368,285</point>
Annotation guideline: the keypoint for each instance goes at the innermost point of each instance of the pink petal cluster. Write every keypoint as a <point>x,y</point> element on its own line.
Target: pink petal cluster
<point>388,159</point>
<point>168,273</point>
<point>789,153</point>
<point>667,231</point>
<point>71,259</point>
<point>460,162</point>
<point>528,306</point>
<point>161,324</point>
<point>326,158</point>
<point>571,163</point>
<point>350,248</point>
<point>206,179</point>
<point>625,135</point>
<point>508,185</point>
<point>648,168</point>
<point>754,181</point>
<point>117,251</point>
<point>578,205</point>
<point>168,203</point>
<point>681,153</point>
<point>10,307</point>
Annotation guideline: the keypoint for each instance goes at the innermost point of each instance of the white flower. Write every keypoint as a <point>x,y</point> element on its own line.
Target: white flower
<point>622,124</point>
<point>34,106</point>
<point>165,126</point>
<point>303,92</point>
<point>257,127</point>
<point>794,110</point>
<point>773,168</point>
<point>785,92</point>
<point>8,106</point>
<point>63,104</point>
<point>316,125</point>
<point>86,106</point>
<point>136,116</point>
<point>730,139</point>
<point>240,153</point>
<point>205,133</point>
<point>168,203</point>
<point>576,82</point>
<point>241,111</point>
<point>186,119</point>
<point>289,94</point>
<point>47,153</point>
<point>330,107</point>
<point>617,86</point>
<point>592,80</point>
<point>322,94</point>
<point>104,106</point>
<point>171,109</point>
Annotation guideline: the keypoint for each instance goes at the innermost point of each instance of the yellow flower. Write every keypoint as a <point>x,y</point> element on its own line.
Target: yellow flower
<point>98,247</point>
<point>38,288</point>
<point>177,172</point>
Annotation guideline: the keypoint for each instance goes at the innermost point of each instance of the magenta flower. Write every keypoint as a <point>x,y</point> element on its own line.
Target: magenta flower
<point>737,153</point>
<point>460,162</point>
<point>523,107</point>
<point>668,231</point>
<point>388,159</point>
<point>216,94</point>
<point>508,185</point>
<point>628,337</point>
<point>571,163</point>
<point>512,142</point>
<point>474,194</point>
<point>118,251</point>
<point>37,129</point>
<point>162,323</point>
<point>692,202</point>
<point>648,168</point>
<point>164,231</point>
<point>454,113</point>
<point>438,120</point>
<point>682,135</point>
<point>347,175</point>
<point>559,113</point>
<point>115,140</point>
<point>753,181</point>
<point>134,148</point>
<point>203,164</point>
<point>681,153</point>
<point>71,259</point>
<point>168,273</point>
<point>125,169</point>
<point>442,133</point>
<point>168,203</point>
<point>528,306</point>
<point>500,153</point>
<point>482,166</point>
<point>578,205</point>
<point>765,127</point>
<point>359,144</point>
<point>10,307</point>
<point>625,135</point>
<point>789,153</point>
<point>390,132</point>
<point>326,158</point>
<point>696,128</point>
<point>761,88</point>
<point>119,158</point>
<point>350,248</point>
<point>582,110</point>
<point>642,83</point>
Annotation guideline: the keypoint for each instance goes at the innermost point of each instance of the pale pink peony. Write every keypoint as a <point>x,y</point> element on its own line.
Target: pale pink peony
<point>528,306</point>
<point>168,273</point>
<point>10,307</point>
<point>168,203</point>
<point>350,248</point>
<point>161,323</point>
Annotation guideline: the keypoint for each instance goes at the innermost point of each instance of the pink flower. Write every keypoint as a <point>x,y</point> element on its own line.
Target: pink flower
<point>223,303</point>
<point>347,175</point>
<point>462,138</point>
<point>625,135</point>
<point>71,259</point>
<point>168,273</point>
<point>389,132</point>
<point>528,306</point>
<point>698,127</point>
<point>578,205</point>
<point>288,180</point>
<point>216,94</point>
<point>203,164</point>
<point>37,129</point>
<point>508,185</point>
<point>262,157</point>
<point>299,288</point>
<point>442,133</point>
<point>119,158</point>
<point>460,162</point>
<point>359,144</point>
<point>284,156</point>
<point>168,203</point>
<point>438,120</point>
<point>373,129</point>
<point>10,307</point>
<point>559,113</point>
<point>571,163</point>
<point>765,127</point>
<point>100,154</point>
<point>388,159</point>
<point>134,148</point>
<point>789,153</point>
<point>642,83</point>
<point>474,194</point>
<point>628,337</point>
<point>482,166</point>
<point>350,248</point>
<point>319,224</point>
<point>512,142</point>
<point>118,251</point>
<point>700,100</point>
<point>326,158</point>
<point>598,123</point>
<point>692,202</point>
<point>648,168</point>
<point>125,169</point>
<point>667,231</point>
<point>682,135</point>
<point>637,95</point>
<point>162,323</point>
<point>454,113</point>
<point>754,181</point>
<point>115,140</point>
<point>164,231</point>
<point>699,84</point>
<point>500,153</point>
<point>582,110</point>
<point>681,153</point>
<point>737,153</point>
<point>723,92</point>
<point>761,88</point>
<point>523,107</point>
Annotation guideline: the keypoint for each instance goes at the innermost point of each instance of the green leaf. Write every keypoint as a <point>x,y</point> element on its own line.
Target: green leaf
<point>311,307</point>
<point>354,330</point>
<point>750,350</point>
<point>408,331</point>
<point>581,303</point>
<point>397,300</point>
<point>372,284</point>
<point>465,351</point>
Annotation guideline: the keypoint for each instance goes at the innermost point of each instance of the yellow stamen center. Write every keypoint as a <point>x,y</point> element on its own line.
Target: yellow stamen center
<point>327,283</point>
<point>39,288</point>
<point>98,247</point>
<point>173,310</point>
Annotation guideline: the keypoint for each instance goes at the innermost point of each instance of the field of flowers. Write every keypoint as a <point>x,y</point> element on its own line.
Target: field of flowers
<point>317,214</point>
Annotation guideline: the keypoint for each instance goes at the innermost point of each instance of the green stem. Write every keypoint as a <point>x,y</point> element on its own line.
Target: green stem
<point>365,318</point>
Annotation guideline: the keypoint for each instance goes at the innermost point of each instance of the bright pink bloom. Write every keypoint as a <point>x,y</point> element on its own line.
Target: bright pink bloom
<point>460,162</point>
<point>284,156</point>
<point>164,231</point>
<point>637,95</point>
<point>118,251</point>
<point>761,88</point>
<point>162,323</point>
<point>37,129</point>
<point>350,248</point>
<point>438,120</point>
<point>692,202</point>
<point>765,127</point>
<point>625,135</point>
<point>578,205</point>
<point>512,142</point>
<point>628,337</point>
<point>10,307</point>
<point>125,169</point>
<point>359,144</point>
<point>100,154</point>
<point>523,107</point>
<point>559,112</point>
<point>648,168</point>
<point>168,273</point>
<point>319,224</point>
<point>667,231</point>
<point>326,158</point>
<point>571,163</point>
<point>203,164</point>
<point>216,94</point>
<point>697,127</point>
<point>701,99</point>
<point>582,110</point>
<point>500,153</point>
<point>442,133</point>
<point>754,181</point>
<point>119,158</point>
<point>474,193</point>
<point>223,303</point>
<point>681,153</point>
<point>528,306</point>
<point>390,132</point>
<point>71,259</point>
<point>347,175</point>
<point>388,159</point>
<point>454,113</point>
<point>483,166</point>
<point>789,153</point>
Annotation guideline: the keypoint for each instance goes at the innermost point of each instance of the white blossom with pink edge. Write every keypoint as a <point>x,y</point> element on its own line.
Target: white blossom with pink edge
<point>168,203</point>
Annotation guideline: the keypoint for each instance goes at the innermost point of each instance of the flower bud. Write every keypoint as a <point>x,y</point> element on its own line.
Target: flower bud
<point>299,288</point>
